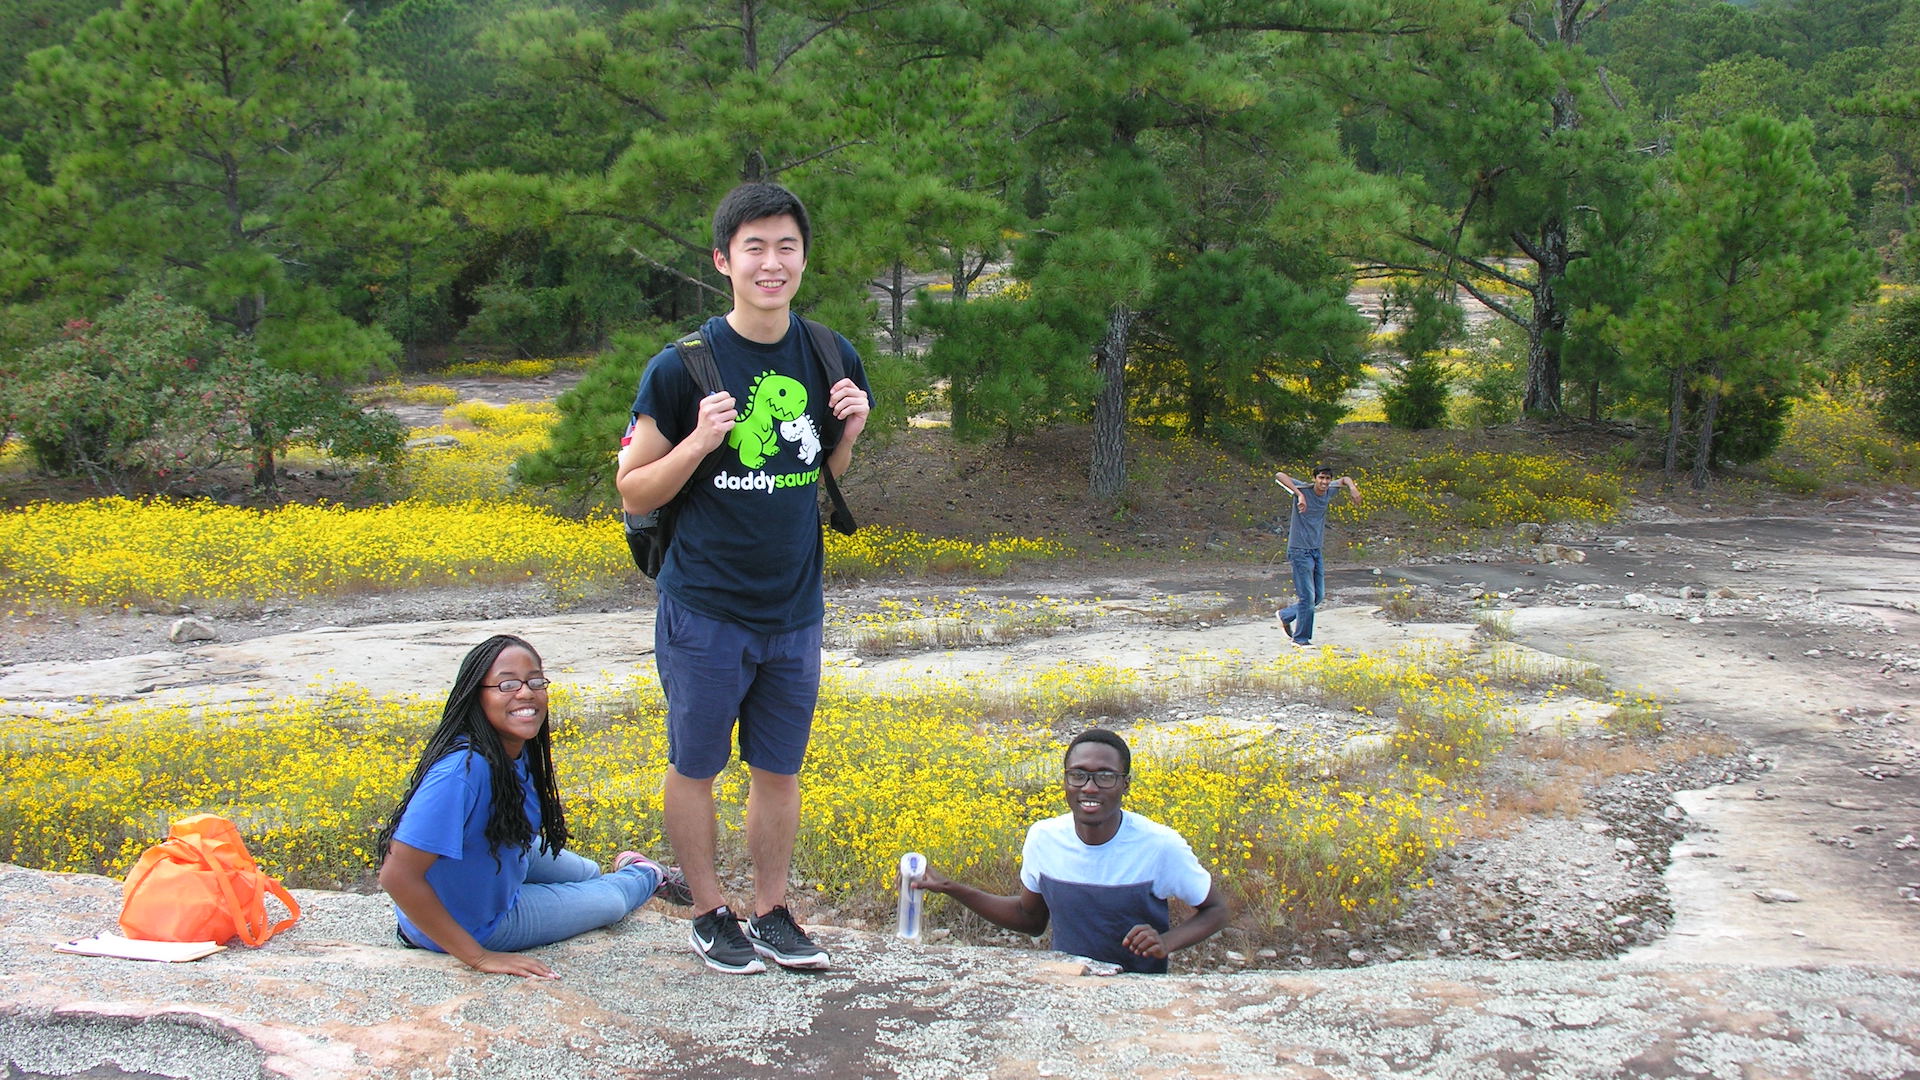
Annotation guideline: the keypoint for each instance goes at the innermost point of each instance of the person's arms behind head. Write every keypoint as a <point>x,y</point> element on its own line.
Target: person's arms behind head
<point>1292,486</point>
<point>1024,913</point>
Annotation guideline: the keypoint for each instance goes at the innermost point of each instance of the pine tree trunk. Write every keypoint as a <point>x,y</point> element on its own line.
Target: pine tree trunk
<point>1107,472</point>
<point>1546,330</point>
<point>264,474</point>
<point>1703,454</point>
<point>1676,407</point>
<point>896,325</point>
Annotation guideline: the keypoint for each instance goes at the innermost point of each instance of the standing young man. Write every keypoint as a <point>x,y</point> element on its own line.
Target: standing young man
<point>737,632</point>
<point>1306,532</point>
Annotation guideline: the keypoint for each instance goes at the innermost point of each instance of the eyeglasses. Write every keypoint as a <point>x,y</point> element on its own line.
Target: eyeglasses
<point>1105,778</point>
<point>510,686</point>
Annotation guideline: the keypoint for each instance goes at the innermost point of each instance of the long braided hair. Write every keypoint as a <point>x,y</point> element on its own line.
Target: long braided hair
<point>464,727</point>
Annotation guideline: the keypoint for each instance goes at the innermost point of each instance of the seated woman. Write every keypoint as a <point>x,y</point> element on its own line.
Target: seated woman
<point>475,855</point>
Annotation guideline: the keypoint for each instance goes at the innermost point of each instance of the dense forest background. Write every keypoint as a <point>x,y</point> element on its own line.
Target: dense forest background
<point>217,215</point>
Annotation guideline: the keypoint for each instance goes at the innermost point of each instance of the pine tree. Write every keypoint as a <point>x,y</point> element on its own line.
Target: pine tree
<point>1750,264</point>
<point>235,154</point>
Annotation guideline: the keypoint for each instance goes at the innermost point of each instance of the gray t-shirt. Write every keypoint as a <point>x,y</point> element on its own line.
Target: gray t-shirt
<point>1308,529</point>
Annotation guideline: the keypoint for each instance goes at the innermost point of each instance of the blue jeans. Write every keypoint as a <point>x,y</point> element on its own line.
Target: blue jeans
<point>566,895</point>
<point>1310,585</point>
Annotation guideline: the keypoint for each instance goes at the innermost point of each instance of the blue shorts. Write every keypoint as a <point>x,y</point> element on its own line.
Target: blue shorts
<point>715,672</point>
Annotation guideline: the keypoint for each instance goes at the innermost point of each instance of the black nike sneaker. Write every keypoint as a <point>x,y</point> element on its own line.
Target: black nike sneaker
<point>778,938</point>
<point>717,940</point>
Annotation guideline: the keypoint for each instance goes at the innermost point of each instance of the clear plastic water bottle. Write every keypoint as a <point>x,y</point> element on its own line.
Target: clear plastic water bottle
<point>912,900</point>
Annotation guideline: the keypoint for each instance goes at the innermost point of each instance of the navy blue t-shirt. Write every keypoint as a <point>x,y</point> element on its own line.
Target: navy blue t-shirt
<point>746,543</point>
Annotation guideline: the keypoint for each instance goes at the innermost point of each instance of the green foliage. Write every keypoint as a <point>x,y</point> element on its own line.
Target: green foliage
<point>1246,352</point>
<point>1011,365</point>
<point>1493,380</point>
<point>1428,318</point>
<point>1417,397</point>
<point>902,389</point>
<point>1749,428</point>
<point>576,467</point>
<point>1748,265</point>
<point>153,393</point>
<point>1519,173</point>
<point>235,154</point>
<point>1888,348</point>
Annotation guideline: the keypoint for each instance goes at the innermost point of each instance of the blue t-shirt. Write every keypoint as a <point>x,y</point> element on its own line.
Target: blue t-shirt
<point>1097,892</point>
<point>746,545</point>
<point>447,816</point>
<point>1308,529</point>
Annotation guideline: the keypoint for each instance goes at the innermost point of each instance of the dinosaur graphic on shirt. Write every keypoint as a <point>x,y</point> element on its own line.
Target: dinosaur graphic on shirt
<point>800,431</point>
<point>773,399</point>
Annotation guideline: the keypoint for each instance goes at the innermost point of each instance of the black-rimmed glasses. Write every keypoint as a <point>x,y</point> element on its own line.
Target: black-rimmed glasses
<point>1104,778</point>
<point>512,686</point>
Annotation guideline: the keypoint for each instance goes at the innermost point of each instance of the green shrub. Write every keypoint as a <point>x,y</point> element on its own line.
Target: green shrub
<point>1894,368</point>
<point>152,391</point>
<point>576,467</point>
<point>1417,397</point>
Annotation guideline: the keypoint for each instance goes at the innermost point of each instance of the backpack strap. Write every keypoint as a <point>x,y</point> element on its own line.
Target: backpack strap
<point>697,355</point>
<point>827,351</point>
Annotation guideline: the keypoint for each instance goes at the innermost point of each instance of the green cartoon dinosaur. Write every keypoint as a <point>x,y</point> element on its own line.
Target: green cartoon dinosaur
<point>772,400</point>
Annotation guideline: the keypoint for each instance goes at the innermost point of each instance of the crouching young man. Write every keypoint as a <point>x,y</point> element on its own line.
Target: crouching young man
<point>1100,874</point>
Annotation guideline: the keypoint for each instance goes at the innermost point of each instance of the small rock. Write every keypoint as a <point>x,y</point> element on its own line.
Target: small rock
<point>1776,896</point>
<point>189,630</point>
<point>1358,956</point>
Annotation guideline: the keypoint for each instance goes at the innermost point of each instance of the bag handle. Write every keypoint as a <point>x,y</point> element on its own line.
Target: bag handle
<point>243,923</point>
<point>280,893</point>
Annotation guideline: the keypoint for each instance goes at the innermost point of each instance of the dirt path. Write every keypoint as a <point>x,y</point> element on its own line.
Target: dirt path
<point>1800,636</point>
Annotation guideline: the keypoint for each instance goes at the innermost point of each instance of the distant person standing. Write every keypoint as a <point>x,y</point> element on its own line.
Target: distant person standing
<point>1306,533</point>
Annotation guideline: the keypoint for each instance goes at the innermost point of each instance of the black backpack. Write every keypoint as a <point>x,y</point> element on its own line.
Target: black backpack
<point>649,534</point>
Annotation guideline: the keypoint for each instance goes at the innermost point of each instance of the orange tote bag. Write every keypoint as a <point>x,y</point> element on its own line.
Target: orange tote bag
<point>200,884</point>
